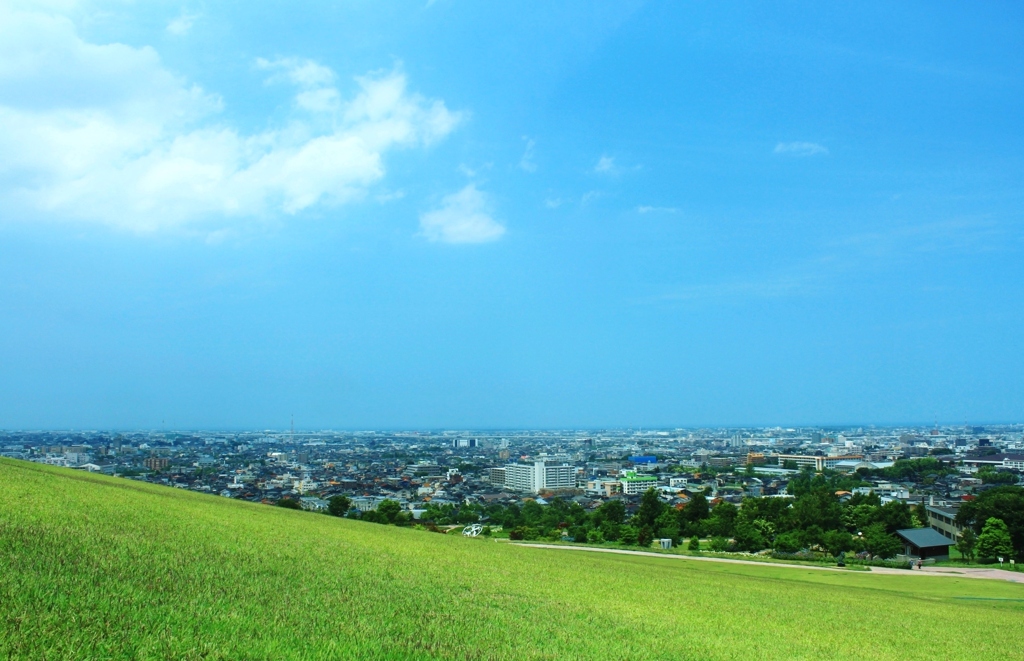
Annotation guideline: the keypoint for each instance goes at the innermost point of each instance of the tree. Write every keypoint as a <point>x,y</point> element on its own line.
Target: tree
<point>610,530</point>
<point>389,509</point>
<point>722,520</point>
<point>966,544</point>
<point>533,512</point>
<point>817,507</point>
<point>878,542</point>
<point>289,503</point>
<point>650,508</point>
<point>612,510</point>
<point>629,536</point>
<point>994,540</point>
<point>694,544</point>
<point>669,524</point>
<point>788,542</point>
<point>338,505</point>
<point>991,476</point>
<point>1005,503</point>
<point>697,509</point>
<point>836,541</point>
<point>748,537</point>
<point>920,516</point>
<point>486,531</point>
<point>858,517</point>
<point>895,515</point>
<point>373,516</point>
<point>645,537</point>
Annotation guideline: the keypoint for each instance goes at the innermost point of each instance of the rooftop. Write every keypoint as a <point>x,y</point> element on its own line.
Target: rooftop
<point>924,538</point>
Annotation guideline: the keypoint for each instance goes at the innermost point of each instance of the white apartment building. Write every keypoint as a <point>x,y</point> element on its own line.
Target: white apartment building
<point>539,476</point>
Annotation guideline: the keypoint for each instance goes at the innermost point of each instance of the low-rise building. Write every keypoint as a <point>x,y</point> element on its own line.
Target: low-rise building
<point>943,520</point>
<point>156,463</point>
<point>924,544</point>
<point>633,484</point>
<point>818,463</point>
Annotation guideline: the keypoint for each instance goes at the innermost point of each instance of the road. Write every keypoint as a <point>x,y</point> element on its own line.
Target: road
<point>992,574</point>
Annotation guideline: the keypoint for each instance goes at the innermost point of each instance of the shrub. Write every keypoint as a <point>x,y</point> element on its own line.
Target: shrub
<point>629,536</point>
<point>788,542</point>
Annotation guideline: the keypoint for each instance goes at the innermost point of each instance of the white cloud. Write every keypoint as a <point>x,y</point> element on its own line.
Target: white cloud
<point>526,162</point>
<point>590,195</point>
<point>605,165</point>
<point>464,217</point>
<point>182,25</point>
<point>106,133</point>
<point>297,71</point>
<point>800,148</point>
<point>649,209</point>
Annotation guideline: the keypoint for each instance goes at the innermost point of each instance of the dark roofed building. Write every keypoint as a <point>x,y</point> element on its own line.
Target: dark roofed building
<point>925,543</point>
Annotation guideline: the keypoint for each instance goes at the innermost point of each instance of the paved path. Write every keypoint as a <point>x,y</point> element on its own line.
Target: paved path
<point>998,574</point>
<point>679,557</point>
<point>962,572</point>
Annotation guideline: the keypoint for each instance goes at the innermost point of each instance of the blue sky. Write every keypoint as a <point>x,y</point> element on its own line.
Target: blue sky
<point>453,214</point>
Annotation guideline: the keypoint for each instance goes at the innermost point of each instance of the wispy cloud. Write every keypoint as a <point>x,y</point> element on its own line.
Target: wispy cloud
<point>590,195</point>
<point>649,209</point>
<point>959,235</point>
<point>526,162</point>
<point>182,25</point>
<point>800,148</point>
<point>299,71</point>
<point>605,165</point>
<point>464,217</point>
<point>843,258</point>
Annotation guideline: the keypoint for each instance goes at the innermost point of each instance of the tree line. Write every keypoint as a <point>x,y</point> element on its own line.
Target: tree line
<point>815,518</point>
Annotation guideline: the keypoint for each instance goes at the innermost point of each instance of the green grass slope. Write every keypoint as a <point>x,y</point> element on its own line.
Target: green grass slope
<point>96,567</point>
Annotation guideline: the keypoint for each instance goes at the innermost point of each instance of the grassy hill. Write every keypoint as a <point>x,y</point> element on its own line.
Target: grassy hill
<point>96,567</point>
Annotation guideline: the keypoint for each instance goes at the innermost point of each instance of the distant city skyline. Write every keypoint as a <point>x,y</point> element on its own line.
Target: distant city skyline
<point>454,215</point>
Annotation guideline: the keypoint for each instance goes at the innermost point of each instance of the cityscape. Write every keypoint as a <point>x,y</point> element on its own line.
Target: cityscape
<point>538,331</point>
<point>420,470</point>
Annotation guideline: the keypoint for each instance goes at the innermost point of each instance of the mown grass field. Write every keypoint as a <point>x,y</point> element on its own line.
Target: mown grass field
<point>95,567</point>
